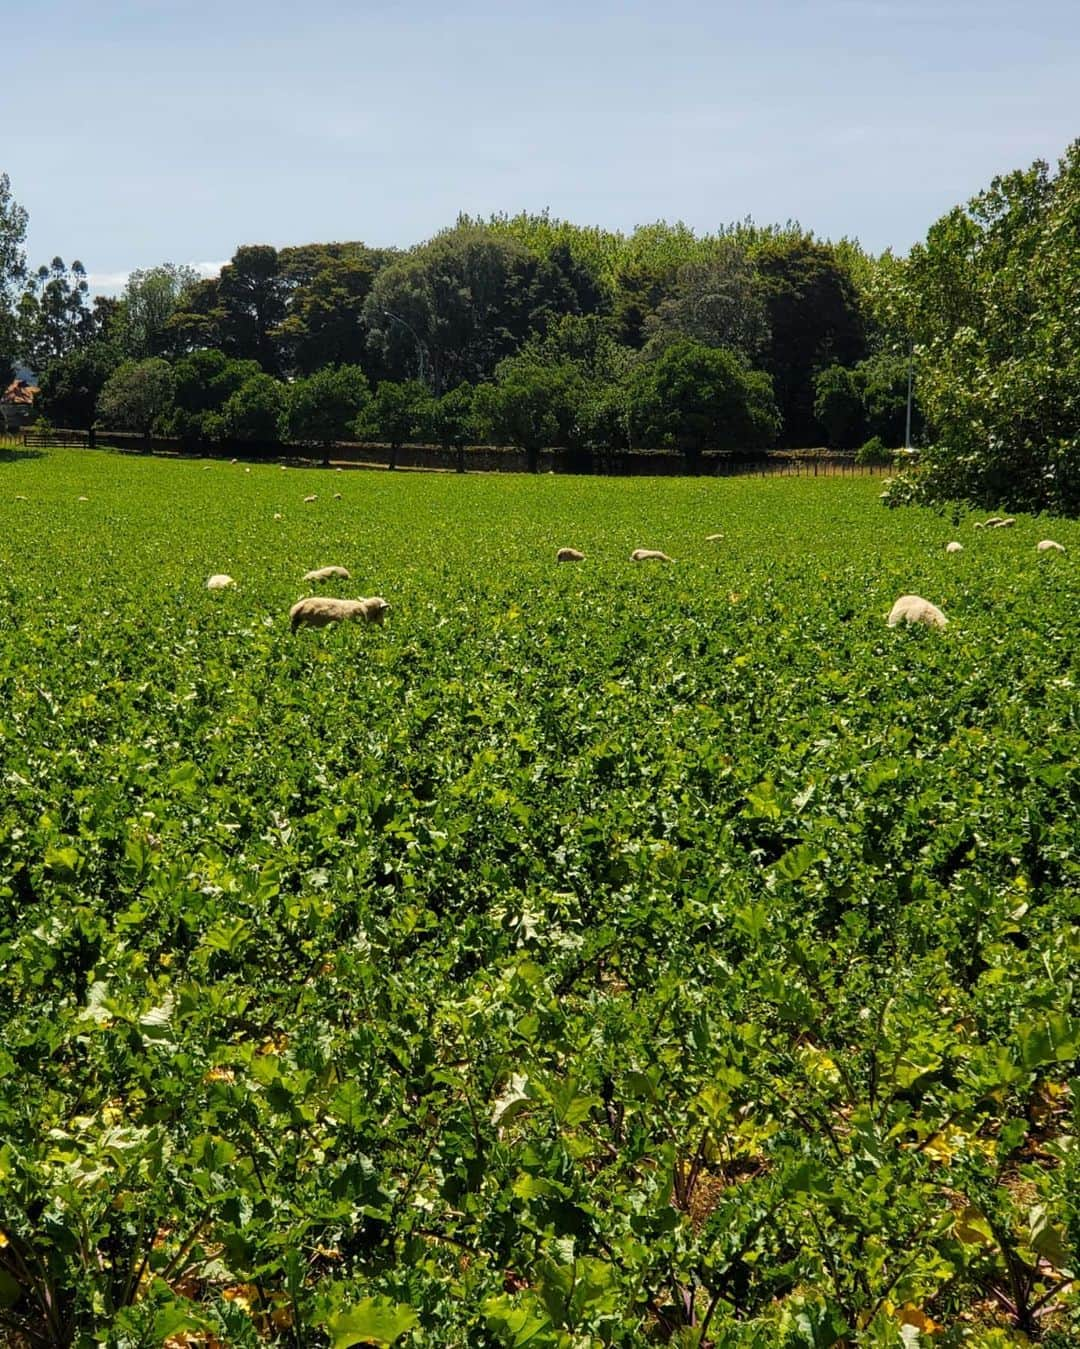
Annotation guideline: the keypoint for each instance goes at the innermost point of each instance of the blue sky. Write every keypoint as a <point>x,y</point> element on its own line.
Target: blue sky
<point>138,133</point>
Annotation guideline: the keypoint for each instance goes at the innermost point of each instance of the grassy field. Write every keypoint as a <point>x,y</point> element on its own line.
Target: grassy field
<point>595,954</point>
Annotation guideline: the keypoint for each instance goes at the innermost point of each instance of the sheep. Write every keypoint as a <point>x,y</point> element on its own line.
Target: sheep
<point>1005,524</point>
<point>337,496</point>
<point>713,538</point>
<point>914,609</point>
<point>233,461</point>
<point>978,524</point>
<point>278,515</point>
<point>84,498</point>
<point>19,497</point>
<point>648,555</point>
<point>992,523</point>
<point>319,610</point>
<point>219,581</point>
<point>1049,546</point>
<point>324,574</point>
<point>311,498</point>
<point>569,555</point>
<point>247,470</point>
<point>954,547</point>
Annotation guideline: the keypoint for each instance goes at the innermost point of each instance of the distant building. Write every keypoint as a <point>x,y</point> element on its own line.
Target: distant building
<point>17,404</point>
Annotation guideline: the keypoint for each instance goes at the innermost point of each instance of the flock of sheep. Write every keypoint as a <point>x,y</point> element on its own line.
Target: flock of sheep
<point>318,611</point>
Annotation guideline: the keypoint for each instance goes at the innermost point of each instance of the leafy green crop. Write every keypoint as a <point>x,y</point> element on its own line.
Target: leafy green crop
<point>594,954</point>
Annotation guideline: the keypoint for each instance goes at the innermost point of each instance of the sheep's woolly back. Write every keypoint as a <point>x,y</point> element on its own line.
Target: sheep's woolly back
<point>312,497</point>
<point>954,547</point>
<point>1049,546</point>
<point>992,523</point>
<point>324,574</point>
<point>914,609</point>
<point>1005,524</point>
<point>569,555</point>
<point>713,538</point>
<point>219,581</point>
<point>648,555</point>
<point>317,611</point>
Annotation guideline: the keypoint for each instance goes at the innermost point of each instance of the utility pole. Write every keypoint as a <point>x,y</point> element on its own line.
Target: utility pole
<point>416,338</point>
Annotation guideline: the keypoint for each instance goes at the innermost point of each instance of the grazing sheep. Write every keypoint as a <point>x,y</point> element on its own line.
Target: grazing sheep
<point>219,581</point>
<point>312,497</point>
<point>337,496</point>
<point>648,555</point>
<point>324,574</point>
<point>1005,524</point>
<point>19,497</point>
<point>319,610</point>
<point>914,609</point>
<point>247,470</point>
<point>954,547</point>
<point>277,515</point>
<point>713,538</point>
<point>1049,546</point>
<point>233,461</point>
<point>84,498</point>
<point>569,555</point>
<point>992,523</point>
<point>978,524</point>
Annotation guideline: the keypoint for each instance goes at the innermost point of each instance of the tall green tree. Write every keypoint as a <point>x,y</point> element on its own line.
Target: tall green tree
<point>326,286</point>
<point>815,320</point>
<point>254,412</point>
<point>71,386</point>
<point>397,413</point>
<point>990,298</point>
<point>13,221</point>
<point>451,421</point>
<point>54,315</point>
<point>698,398</point>
<point>532,406</point>
<point>150,298</point>
<point>138,396</point>
<point>204,380</point>
<point>717,300</point>
<point>323,408</point>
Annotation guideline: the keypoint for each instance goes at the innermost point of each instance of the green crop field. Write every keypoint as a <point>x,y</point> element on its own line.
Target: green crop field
<point>598,954</point>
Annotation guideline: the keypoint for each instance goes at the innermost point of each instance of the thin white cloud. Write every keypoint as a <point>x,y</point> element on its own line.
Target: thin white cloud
<point>109,283</point>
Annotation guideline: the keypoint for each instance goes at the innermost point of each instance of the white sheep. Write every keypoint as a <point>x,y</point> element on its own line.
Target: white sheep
<point>337,496</point>
<point>19,497</point>
<point>319,610</point>
<point>992,523</point>
<point>569,555</point>
<point>277,515</point>
<point>1005,524</point>
<point>1049,546</point>
<point>220,581</point>
<point>954,547</point>
<point>713,538</point>
<point>324,574</point>
<point>311,498</point>
<point>914,609</point>
<point>84,498</point>
<point>648,555</point>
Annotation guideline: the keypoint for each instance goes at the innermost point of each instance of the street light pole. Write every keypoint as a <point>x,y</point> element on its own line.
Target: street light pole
<point>416,338</point>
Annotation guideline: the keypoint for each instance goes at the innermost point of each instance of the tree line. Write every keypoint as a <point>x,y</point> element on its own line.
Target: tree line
<point>536,332</point>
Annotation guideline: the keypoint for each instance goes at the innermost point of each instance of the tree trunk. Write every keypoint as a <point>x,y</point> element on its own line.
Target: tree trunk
<point>532,459</point>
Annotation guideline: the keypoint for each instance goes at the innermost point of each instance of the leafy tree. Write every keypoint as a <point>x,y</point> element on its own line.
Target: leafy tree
<point>532,406</point>
<point>450,310</point>
<point>990,299</point>
<point>838,406</point>
<point>717,300</point>
<point>13,220</point>
<point>697,398</point>
<point>451,420</point>
<point>138,396</point>
<point>53,314</point>
<point>396,414</point>
<point>150,299</point>
<point>205,381</point>
<point>71,386</point>
<point>238,311</point>
<point>323,408</point>
<point>254,412</point>
<point>815,320</point>
<point>327,285</point>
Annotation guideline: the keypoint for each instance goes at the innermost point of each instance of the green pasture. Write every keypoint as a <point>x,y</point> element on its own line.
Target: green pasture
<point>599,954</point>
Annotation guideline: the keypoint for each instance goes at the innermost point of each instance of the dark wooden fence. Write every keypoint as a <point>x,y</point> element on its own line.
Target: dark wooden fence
<point>487,458</point>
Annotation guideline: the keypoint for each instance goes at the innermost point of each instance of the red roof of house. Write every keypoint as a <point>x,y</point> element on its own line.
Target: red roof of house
<point>18,391</point>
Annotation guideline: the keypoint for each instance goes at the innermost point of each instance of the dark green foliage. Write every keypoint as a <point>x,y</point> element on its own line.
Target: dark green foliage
<point>590,956</point>
<point>255,411</point>
<point>698,398</point>
<point>451,421</point>
<point>397,413</point>
<point>814,321</point>
<point>71,386</point>
<point>138,396</point>
<point>54,316</point>
<point>204,382</point>
<point>324,407</point>
<point>875,451</point>
<point>870,398</point>
<point>990,298</point>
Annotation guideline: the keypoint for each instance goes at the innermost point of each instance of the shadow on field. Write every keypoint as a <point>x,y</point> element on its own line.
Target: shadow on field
<point>10,454</point>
